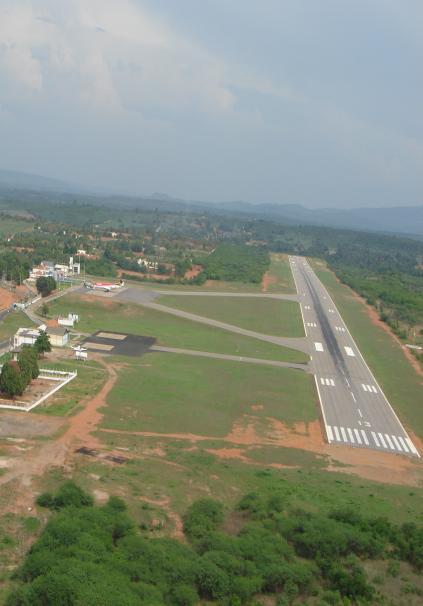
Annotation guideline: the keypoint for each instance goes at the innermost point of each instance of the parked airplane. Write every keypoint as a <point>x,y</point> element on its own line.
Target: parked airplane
<point>105,286</point>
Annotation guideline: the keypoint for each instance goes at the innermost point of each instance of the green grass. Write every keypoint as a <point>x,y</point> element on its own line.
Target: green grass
<point>267,316</point>
<point>398,379</point>
<point>69,399</point>
<point>13,225</point>
<point>12,322</point>
<point>281,279</point>
<point>175,394</point>
<point>169,330</point>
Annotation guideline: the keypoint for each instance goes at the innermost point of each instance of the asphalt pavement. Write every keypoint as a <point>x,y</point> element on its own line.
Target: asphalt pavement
<point>355,410</point>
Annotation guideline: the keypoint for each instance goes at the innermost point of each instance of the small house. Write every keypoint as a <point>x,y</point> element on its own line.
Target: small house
<point>59,336</point>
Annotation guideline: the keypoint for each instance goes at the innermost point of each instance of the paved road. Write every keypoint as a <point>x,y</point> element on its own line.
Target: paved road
<point>355,409</point>
<point>217,356</point>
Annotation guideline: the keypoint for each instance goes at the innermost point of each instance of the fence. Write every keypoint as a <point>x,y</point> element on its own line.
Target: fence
<point>61,376</point>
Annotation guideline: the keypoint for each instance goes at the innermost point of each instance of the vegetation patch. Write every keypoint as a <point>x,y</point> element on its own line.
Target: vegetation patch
<point>97,555</point>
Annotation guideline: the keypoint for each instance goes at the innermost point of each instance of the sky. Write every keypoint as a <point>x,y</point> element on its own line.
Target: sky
<point>313,102</point>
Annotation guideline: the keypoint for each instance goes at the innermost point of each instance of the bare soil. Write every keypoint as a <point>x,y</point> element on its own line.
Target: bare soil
<point>267,281</point>
<point>193,272</point>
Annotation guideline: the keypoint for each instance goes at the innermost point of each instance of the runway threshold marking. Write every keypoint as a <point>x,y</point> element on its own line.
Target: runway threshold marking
<point>357,435</point>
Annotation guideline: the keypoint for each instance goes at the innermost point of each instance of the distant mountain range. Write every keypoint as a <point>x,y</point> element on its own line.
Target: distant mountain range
<point>400,220</point>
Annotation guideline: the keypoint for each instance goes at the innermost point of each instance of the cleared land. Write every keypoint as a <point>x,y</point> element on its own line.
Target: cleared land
<point>268,316</point>
<point>400,382</point>
<point>169,330</point>
<point>176,394</point>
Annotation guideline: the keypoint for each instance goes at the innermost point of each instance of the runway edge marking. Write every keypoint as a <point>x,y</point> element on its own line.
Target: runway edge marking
<point>414,449</point>
<point>329,440</point>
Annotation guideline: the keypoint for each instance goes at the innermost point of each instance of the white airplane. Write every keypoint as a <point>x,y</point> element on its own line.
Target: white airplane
<point>105,286</point>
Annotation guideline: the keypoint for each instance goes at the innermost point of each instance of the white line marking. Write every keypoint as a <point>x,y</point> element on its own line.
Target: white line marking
<point>388,439</point>
<point>363,433</point>
<point>348,383</point>
<point>349,351</point>
<point>364,386</point>
<point>360,413</point>
<point>350,433</point>
<point>321,404</point>
<point>375,439</point>
<point>318,346</point>
<point>382,439</point>
<point>374,389</point>
<point>332,382</point>
<point>397,444</point>
<point>322,381</point>
<point>336,433</point>
<point>357,435</point>
<point>329,432</point>
<point>411,446</point>
<point>344,435</point>
<point>404,445</point>
<point>353,396</point>
<point>327,381</point>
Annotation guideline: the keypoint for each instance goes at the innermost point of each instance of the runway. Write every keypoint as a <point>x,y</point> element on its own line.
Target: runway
<point>355,410</point>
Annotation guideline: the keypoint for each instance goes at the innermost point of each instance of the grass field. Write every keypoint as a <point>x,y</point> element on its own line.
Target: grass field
<point>69,399</point>
<point>281,279</point>
<point>169,330</point>
<point>400,382</point>
<point>267,316</point>
<point>175,394</point>
<point>13,225</point>
<point>12,322</point>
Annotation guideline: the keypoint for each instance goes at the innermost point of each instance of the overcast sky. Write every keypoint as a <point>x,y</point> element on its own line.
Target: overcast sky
<point>317,102</point>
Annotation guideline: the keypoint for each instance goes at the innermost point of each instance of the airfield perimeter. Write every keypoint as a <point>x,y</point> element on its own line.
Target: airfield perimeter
<point>355,410</point>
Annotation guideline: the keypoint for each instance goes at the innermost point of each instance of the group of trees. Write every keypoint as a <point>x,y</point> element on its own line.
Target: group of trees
<point>45,285</point>
<point>236,262</point>
<point>16,375</point>
<point>96,555</point>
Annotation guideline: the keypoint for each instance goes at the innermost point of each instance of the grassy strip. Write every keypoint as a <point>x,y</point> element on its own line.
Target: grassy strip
<point>171,394</point>
<point>267,316</point>
<point>398,379</point>
<point>281,279</point>
<point>98,314</point>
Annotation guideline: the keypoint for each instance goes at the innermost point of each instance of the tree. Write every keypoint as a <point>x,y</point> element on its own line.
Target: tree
<point>12,379</point>
<point>42,343</point>
<point>44,310</point>
<point>45,285</point>
<point>28,362</point>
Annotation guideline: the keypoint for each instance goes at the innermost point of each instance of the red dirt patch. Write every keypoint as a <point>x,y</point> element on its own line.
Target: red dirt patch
<point>193,272</point>
<point>267,281</point>
<point>376,466</point>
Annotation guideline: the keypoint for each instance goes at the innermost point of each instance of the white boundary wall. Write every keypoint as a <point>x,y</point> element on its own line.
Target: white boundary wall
<point>59,376</point>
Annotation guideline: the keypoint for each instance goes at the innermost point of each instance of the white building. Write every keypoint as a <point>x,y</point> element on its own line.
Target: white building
<point>69,321</point>
<point>59,335</point>
<point>150,265</point>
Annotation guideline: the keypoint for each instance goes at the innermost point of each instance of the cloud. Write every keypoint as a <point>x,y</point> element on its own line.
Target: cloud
<point>116,54</point>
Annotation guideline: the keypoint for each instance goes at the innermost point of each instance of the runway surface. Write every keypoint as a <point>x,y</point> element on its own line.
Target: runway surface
<point>355,410</point>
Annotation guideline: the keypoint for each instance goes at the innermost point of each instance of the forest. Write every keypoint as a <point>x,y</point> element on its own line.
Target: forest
<point>88,554</point>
